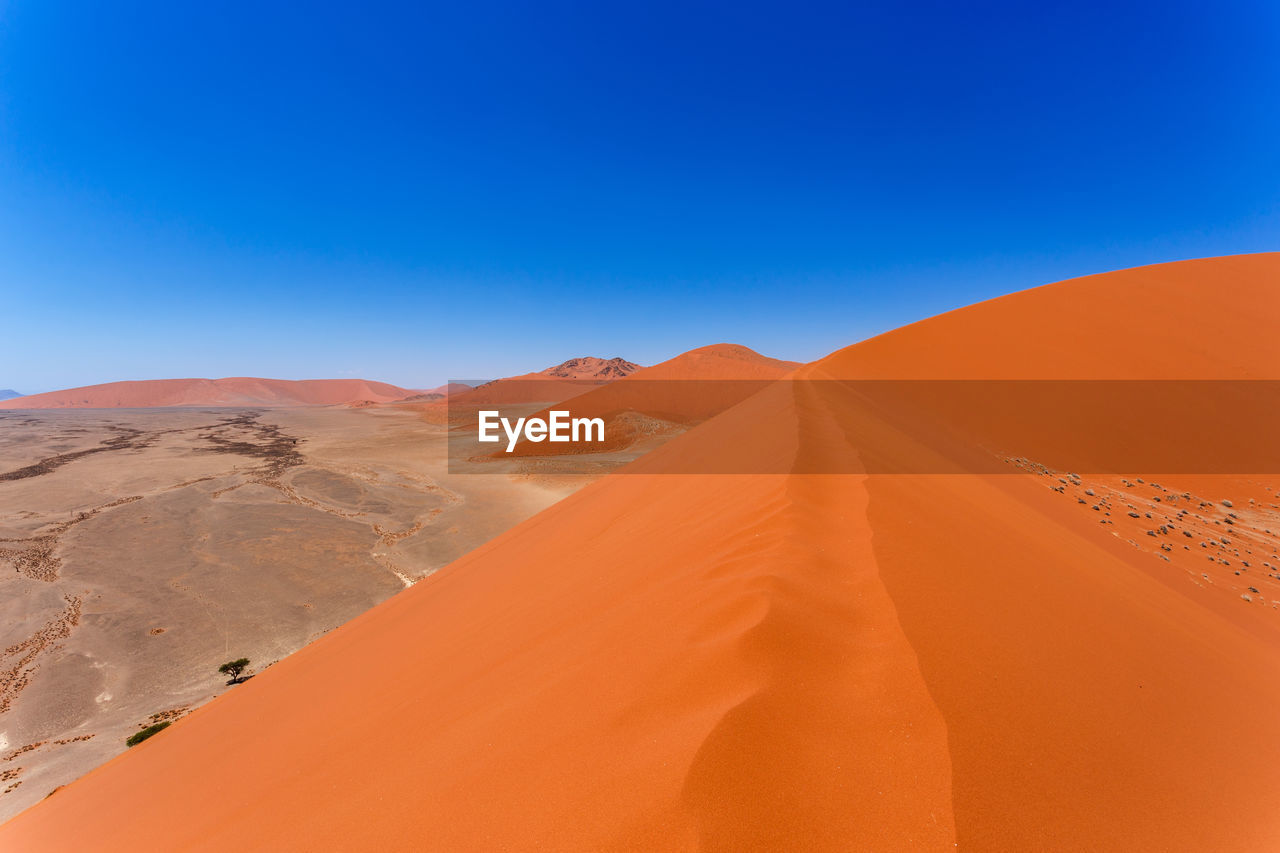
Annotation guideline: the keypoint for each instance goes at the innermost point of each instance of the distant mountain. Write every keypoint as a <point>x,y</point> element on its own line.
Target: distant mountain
<point>236,391</point>
<point>564,380</point>
<point>590,367</point>
<point>8,394</point>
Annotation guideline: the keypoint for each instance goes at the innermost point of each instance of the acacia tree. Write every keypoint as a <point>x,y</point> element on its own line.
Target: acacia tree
<point>235,669</point>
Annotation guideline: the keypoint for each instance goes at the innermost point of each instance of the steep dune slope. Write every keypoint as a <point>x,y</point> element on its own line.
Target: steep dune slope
<point>234,391</point>
<point>790,661</point>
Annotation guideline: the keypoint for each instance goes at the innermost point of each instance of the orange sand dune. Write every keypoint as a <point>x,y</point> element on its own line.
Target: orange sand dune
<point>235,391</point>
<point>718,361</point>
<point>790,661</point>
<point>1204,319</point>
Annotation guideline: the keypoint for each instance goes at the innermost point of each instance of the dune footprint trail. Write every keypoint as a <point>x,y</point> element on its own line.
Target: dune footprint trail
<point>793,660</point>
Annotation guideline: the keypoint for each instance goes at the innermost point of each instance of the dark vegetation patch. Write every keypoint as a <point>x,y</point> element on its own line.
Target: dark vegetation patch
<point>245,435</point>
<point>138,737</point>
<point>126,438</point>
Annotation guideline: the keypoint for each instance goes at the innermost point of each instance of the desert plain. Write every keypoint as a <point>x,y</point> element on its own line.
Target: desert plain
<point>142,548</point>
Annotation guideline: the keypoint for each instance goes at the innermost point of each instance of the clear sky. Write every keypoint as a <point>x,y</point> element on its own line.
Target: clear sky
<point>418,191</point>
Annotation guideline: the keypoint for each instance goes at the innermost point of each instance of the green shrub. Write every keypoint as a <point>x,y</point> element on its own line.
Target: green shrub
<point>139,737</point>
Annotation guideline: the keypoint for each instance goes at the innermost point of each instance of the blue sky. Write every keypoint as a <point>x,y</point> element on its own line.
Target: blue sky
<point>412,192</point>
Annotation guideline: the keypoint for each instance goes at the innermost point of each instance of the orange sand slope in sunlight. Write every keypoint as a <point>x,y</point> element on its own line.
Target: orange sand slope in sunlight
<point>795,662</point>
<point>235,391</point>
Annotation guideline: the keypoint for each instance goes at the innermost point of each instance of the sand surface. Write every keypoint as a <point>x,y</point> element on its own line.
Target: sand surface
<point>798,661</point>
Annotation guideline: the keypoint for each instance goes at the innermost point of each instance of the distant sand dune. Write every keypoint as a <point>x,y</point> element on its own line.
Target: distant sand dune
<point>238,391</point>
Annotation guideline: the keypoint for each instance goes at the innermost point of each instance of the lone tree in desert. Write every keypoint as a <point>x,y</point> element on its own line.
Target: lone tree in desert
<point>235,669</point>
